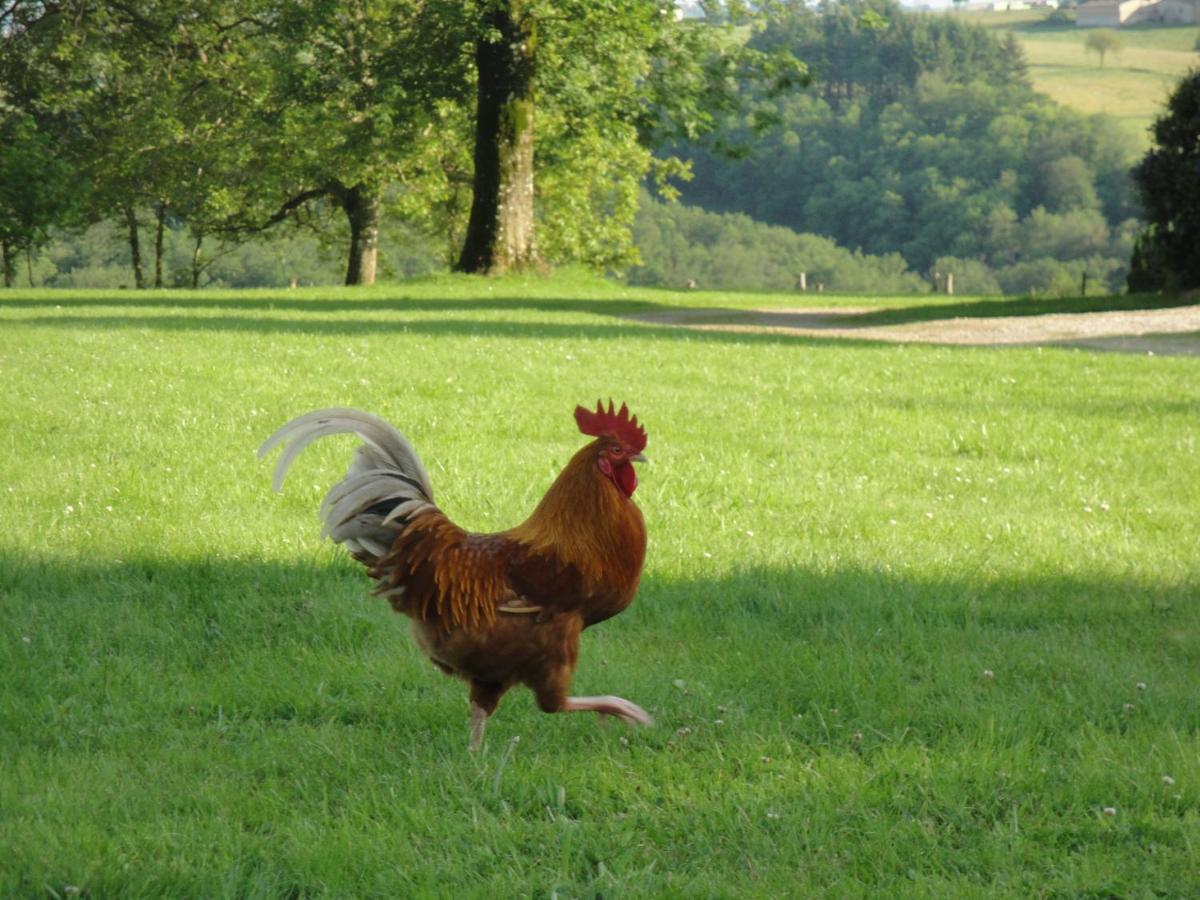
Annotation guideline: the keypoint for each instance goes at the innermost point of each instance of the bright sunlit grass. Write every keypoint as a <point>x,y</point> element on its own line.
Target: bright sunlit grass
<point>916,621</point>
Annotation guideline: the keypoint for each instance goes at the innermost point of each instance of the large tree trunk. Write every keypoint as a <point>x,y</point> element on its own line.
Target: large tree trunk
<point>160,215</point>
<point>361,205</point>
<point>9,253</point>
<point>500,231</point>
<point>135,248</point>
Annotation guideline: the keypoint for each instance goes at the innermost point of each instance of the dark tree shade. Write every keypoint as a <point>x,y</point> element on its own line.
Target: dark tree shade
<point>1167,255</point>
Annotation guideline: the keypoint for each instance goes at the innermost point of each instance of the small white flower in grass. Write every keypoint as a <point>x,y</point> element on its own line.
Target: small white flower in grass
<point>929,515</point>
<point>749,534</point>
<point>1087,509</point>
<point>1168,780</point>
<point>1141,685</point>
<point>70,509</point>
<point>1110,810</point>
<point>1104,507</point>
<point>1128,707</point>
<point>108,508</point>
<point>771,814</point>
<point>891,521</point>
<point>684,731</point>
<point>989,674</point>
<point>707,555</point>
<point>25,639</point>
<point>765,760</point>
<point>718,721</point>
<point>624,741</point>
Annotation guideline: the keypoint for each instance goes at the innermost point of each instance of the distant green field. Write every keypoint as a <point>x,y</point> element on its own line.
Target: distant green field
<point>916,621</point>
<point>1133,83</point>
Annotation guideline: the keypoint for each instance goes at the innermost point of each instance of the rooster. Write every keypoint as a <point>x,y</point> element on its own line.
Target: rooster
<point>500,609</point>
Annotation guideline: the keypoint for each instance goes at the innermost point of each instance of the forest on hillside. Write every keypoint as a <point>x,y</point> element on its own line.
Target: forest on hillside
<point>848,144</point>
<point>921,136</point>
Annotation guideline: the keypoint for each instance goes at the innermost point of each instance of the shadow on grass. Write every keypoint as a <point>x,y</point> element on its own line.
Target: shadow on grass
<point>279,643</point>
<point>618,318</point>
<point>615,328</point>
<point>502,301</point>
<point>508,301</point>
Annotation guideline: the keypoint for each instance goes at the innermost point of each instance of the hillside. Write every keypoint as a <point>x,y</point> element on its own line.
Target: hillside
<point>1131,85</point>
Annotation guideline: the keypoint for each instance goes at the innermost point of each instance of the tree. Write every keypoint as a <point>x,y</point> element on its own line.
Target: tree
<point>620,71</point>
<point>353,94</point>
<point>37,190</point>
<point>1102,41</point>
<point>1167,254</point>
<point>136,95</point>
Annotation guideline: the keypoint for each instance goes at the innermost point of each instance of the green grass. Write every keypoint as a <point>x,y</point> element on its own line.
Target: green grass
<point>1131,86</point>
<point>198,699</point>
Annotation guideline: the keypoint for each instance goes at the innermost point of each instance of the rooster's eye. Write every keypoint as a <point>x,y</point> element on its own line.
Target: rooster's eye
<point>615,450</point>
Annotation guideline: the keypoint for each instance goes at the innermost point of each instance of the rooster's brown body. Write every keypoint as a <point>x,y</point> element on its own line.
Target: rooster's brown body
<point>494,609</point>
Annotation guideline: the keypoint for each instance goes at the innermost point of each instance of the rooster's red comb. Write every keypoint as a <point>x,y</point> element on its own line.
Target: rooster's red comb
<point>614,424</point>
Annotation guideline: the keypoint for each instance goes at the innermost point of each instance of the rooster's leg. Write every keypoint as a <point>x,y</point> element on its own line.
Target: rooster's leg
<point>551,692</point>
<point>485,697</point>
<point>479,717</point>
<point>610,706</point>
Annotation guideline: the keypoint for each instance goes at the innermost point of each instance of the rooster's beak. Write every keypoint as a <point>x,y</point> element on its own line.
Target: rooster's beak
<point>638,457</point>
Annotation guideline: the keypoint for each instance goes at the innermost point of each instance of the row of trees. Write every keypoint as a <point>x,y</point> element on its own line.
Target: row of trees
<point>233,117</point>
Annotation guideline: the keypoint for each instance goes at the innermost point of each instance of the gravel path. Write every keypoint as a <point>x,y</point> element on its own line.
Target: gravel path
<point>1173,331</point>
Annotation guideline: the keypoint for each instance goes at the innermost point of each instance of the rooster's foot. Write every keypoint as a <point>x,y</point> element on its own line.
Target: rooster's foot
<point>610,706</point>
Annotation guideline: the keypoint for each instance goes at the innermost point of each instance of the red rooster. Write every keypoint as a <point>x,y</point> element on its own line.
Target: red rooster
<point>494,609</point>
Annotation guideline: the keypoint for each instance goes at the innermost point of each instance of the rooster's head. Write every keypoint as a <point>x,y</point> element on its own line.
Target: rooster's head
<point>621,442</point>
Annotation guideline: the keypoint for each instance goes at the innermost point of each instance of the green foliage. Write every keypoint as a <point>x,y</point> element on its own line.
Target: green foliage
<point>681,245</point>
<point>1167,256</point>
<point>913,619</point>
<point>37,188</point>
<point>872,52</point>
<point>954,157</point>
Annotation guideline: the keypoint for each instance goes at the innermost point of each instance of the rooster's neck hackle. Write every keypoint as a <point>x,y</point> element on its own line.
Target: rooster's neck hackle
<point>586,521</point>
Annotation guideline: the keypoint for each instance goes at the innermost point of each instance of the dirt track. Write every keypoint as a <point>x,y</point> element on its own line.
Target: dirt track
<point>1173,331</point>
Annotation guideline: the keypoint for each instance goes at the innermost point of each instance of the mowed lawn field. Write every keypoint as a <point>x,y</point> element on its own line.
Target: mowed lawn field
<point>1132,84</point>
<point>916,621</point>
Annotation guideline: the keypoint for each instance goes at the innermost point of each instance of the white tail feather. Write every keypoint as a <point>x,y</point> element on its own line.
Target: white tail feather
<point>386,468</point>
<point>392,449</point>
